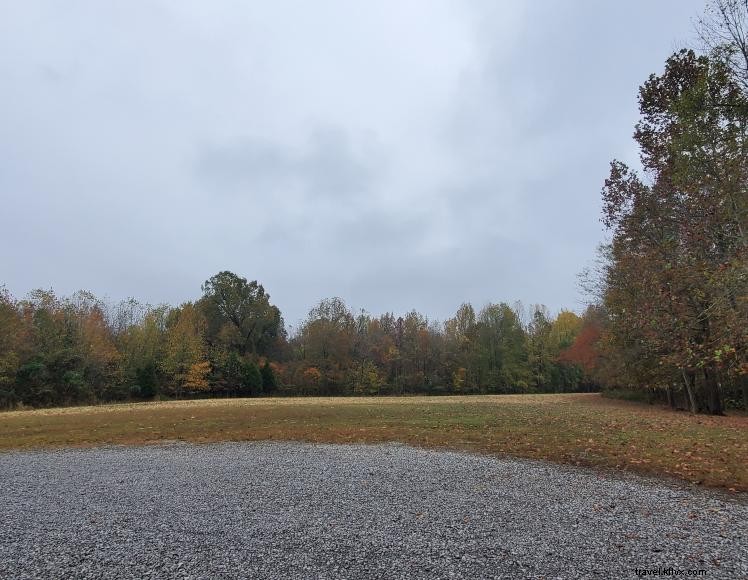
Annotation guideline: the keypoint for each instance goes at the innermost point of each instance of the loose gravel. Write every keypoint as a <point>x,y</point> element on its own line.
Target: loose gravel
<point>294,510</point>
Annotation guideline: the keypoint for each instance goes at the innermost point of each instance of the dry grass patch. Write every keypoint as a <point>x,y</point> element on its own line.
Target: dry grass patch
<point>569,428</point>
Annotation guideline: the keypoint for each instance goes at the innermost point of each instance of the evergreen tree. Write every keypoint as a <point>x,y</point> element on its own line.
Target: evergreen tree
<point>269,384</point>
<point>251,379</point>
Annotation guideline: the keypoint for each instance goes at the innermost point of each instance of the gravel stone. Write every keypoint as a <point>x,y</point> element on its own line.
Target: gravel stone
<point>296,510</point>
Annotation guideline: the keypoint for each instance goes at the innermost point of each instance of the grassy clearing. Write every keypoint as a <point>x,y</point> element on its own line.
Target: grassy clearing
<point>580,429</point>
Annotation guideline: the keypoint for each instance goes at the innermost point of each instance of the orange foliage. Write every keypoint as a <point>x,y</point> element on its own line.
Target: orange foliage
<point>583,350</point>
<point>312,375</point>
<point>97,339</point>
<point>196,379</point>
<point>278,370</point>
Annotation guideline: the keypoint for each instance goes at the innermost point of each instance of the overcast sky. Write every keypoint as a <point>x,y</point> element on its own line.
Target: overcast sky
<point>398,154</point>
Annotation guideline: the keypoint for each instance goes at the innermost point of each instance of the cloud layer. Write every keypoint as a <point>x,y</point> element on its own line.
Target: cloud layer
<point>400,154</point>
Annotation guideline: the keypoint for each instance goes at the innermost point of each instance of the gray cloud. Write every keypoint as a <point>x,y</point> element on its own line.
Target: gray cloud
<point>326,166</point>
<point>400,155</point>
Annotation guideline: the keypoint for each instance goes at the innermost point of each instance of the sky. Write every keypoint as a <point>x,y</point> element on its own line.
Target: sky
<point>399,154</point>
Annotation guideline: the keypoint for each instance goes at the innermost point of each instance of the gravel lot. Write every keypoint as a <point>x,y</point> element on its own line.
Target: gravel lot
<point>292,510</point>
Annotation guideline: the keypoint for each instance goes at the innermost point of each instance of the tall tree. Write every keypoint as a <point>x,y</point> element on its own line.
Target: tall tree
<point>185,346</point>
<point>240,314</point>
<point>677,281</point>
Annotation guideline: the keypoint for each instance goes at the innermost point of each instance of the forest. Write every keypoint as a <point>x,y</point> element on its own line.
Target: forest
<point>667,318</point>
<point>232,342</point>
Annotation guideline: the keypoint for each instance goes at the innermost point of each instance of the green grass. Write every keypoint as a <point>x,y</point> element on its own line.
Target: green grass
<point>581,429</point>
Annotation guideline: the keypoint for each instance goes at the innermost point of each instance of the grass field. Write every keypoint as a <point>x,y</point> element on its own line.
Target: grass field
<point>581,429</point>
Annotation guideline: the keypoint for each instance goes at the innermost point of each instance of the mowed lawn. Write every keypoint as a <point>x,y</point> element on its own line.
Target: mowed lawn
<point>581,429</point>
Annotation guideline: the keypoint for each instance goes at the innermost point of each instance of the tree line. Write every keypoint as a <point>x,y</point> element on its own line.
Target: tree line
<point>232,342</point>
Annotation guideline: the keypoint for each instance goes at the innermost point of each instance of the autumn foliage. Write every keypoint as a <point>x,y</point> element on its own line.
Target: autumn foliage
<point>584,350</point>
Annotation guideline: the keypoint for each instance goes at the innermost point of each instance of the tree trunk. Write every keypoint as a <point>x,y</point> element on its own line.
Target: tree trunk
<point>713,396</point>
<point>744,384</point>
<point>688,381</point>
